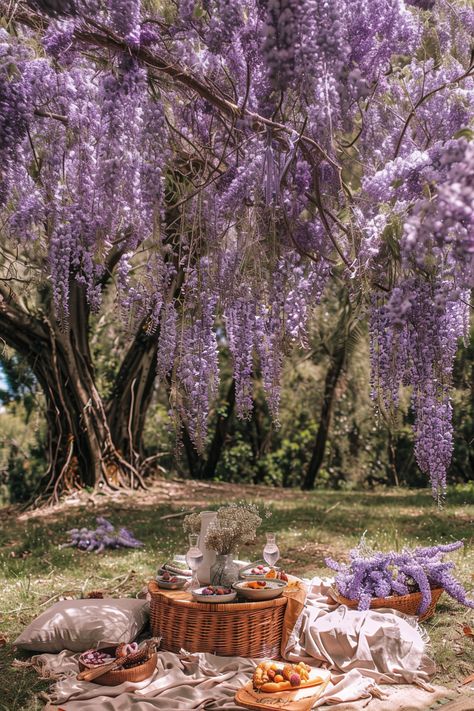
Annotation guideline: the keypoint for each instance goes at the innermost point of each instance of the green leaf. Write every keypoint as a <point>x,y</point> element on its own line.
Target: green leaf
<point>465,133</point>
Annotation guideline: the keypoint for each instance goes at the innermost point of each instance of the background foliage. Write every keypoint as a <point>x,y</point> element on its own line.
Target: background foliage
<point>362,451</point>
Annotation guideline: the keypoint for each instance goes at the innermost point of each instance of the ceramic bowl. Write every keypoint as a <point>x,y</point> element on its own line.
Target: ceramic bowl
<point>247,574</point>
<point>272,589</point>
<point>199,597</point>
<point>168,585</point>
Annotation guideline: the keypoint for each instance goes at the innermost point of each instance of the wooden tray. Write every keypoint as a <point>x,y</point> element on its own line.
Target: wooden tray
<point>297,700</point>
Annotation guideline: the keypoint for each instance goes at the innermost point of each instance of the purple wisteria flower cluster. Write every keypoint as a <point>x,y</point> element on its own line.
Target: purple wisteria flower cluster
<point>371,574</point>
<point>104,536</point>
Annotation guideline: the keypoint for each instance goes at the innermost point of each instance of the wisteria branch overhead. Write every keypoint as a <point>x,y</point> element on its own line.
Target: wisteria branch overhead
<point>103,36</point>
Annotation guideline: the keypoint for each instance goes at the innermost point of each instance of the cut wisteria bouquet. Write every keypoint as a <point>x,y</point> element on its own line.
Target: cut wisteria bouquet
<point>104,536</point>
<point>372,574</point>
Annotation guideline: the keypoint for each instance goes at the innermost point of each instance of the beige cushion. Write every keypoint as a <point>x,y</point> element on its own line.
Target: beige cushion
<point>83,624</point>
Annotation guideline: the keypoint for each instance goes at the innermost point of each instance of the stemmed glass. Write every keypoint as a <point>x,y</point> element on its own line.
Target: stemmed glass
<point>194,558</point>
<point>271,552</point>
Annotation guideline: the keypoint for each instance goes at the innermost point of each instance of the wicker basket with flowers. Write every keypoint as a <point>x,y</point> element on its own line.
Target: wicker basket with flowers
<point>410,581</point>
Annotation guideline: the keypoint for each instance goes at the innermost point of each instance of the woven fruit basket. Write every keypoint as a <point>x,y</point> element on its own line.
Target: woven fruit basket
<point>245,629</point>
<point>140,672</point>
<point>408,604</point>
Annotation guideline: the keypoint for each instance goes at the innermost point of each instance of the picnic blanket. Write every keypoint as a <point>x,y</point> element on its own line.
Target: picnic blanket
<point>367,653</point>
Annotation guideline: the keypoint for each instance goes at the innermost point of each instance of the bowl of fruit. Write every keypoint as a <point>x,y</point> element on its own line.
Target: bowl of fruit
<point>260,571</point>
<point>168,581</point>
<point>257,590</point>
<point>214,593</point>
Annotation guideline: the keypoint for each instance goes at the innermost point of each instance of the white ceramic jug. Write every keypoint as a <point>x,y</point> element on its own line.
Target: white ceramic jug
<point>204,570</point>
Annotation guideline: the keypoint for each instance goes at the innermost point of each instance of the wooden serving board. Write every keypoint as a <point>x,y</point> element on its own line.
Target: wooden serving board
<point>301,699</point>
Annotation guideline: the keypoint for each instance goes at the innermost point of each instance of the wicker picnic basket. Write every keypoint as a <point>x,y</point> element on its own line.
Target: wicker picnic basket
<point>408,604</point>
<point>245,629</point>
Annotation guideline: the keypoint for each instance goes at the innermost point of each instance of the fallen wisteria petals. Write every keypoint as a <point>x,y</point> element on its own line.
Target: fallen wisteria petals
<point>371,574</point>
<point>104,536</point>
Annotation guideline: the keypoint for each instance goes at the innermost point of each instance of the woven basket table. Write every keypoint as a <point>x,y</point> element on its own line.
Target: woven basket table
<point>408,604</point>
<point>242,629</point>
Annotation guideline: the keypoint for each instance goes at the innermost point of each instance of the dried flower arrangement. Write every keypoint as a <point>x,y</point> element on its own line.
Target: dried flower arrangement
<point>235,525</point>
<point>192,523</point>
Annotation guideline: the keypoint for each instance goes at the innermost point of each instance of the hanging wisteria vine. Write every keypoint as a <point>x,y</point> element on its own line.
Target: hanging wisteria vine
<point>253,151</point>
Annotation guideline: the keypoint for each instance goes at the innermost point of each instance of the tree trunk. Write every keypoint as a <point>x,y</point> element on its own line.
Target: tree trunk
<point>330,385</point>
<point>220,433</point>
<point>133,389</point>
<point>81,450</point>
<point>192,456</point>
<point>132,395</point>
<point>204,467</point>
<point>392,459</point>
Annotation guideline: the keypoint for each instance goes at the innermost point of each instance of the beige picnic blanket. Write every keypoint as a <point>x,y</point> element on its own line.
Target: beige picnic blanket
<point>205,682</point>
<point>367,653</point>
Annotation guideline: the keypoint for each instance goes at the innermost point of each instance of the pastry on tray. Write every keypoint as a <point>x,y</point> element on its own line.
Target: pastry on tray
<point>271,677</point>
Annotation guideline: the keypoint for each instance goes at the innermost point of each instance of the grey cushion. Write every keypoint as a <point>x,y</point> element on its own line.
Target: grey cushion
<point>78,625</point>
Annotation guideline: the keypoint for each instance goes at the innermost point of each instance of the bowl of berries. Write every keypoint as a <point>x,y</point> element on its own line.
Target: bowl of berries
<point>214,593</point>
<point>168,581</point>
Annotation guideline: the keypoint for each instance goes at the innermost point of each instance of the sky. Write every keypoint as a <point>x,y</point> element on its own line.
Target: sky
<point>3,385</point>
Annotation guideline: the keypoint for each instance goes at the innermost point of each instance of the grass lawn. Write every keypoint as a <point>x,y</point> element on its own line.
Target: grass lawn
<point>34,571</point>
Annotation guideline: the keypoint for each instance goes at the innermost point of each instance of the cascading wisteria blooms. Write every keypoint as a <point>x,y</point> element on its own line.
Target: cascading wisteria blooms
<point>198,370</point>
<point>15,103</point>
<point>414,336</point>
<point>447,218</point>
<point>225,20</point>
<point>167,345</point>
<point>281,37</point>
<point>125,16</point>
<point>241,325</point>
<point>223,161</point>
<point>371,574</point>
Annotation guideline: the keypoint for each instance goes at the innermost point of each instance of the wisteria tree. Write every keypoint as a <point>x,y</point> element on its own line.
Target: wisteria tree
<point>220,162</point>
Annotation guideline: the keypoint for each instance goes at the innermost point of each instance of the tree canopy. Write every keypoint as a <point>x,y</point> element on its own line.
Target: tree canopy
<point>222,162</point>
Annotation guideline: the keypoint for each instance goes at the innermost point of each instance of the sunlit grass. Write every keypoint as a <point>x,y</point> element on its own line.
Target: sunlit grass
<point>35,571</point>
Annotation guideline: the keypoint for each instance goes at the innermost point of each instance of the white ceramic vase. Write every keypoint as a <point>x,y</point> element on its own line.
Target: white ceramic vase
<point>204,570</point>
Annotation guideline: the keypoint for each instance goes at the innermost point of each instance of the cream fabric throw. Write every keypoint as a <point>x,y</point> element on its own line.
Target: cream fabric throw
<point>362,650</point>
<point>384,646</point>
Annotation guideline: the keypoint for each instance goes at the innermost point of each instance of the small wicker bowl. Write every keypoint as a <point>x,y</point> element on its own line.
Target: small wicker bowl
<point>408,604</point>
<point>114,678</point>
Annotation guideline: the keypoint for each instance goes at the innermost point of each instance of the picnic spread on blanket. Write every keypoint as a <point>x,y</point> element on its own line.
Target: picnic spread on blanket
<point>229,634</point>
